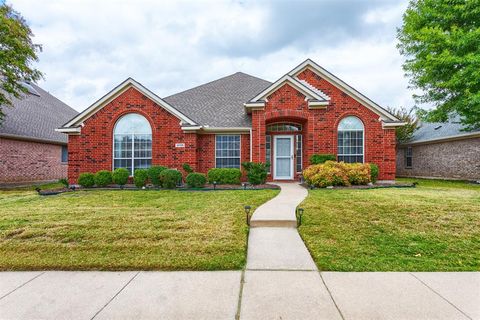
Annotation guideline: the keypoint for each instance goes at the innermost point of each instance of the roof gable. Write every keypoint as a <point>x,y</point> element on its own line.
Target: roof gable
<point>352,92</point>
<point>72,125</point>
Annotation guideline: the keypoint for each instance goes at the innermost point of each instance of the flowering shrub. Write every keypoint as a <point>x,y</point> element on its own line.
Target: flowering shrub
<point>333,173</point>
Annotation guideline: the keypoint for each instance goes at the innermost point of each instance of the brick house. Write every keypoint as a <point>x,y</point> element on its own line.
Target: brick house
<point>234,119</point>
<point>30,149</point>
<point>441,150</point>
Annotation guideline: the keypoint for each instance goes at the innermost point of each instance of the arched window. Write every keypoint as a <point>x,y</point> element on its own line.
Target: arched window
<point>132,147</point>
<point>350,140</point>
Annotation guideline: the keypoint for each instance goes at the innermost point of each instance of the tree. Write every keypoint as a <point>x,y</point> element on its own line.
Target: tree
<point>405,133</point>
<point>17,53</point>
<point>440,40</point>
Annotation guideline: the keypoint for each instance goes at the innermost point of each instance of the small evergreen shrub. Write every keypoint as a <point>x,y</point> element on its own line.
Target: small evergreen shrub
<point>332,173</point>
<point>374,172</point>
<point>196,180</point>
<point>170,178</point>
<point>140,177</point>
<point>120,176</point>
<point>187,168</point>
<point>103,178</point>
<point>154,175</point>
<point>224,175</point>
<point>358,173</point>
<point>256,172</point>
<point>322,158</point>
<point>86,179</point>
<point>64,182</point>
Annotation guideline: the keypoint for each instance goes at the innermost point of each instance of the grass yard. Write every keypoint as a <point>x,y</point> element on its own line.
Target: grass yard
<point>125,230</point>
<point>433,227</point>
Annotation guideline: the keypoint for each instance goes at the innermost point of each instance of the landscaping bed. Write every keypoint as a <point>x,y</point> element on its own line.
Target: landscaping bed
<point>125,230</point>
<point>433,227</point>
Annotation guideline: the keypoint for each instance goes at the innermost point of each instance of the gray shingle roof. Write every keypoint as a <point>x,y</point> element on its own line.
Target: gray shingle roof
<point>438,130</point>
<point>219,103</point>
<point>36,117</point>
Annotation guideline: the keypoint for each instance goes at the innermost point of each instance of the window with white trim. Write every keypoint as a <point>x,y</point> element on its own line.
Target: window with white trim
<point>299,152</point>
<point>268,151</point>
<point>227,151</point>
<point>132,143</point>
<point>408,157</point>
<point>350,140</point>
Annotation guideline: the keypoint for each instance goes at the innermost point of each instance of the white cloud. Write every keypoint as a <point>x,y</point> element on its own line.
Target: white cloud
<point>90,46</point>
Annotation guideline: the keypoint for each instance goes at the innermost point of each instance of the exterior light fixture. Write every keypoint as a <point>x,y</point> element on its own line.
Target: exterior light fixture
<point>244,185</point>
<point>247,214</point>
<point>72,188</point>
<point>214,185</point>
<point>38,190</point>
<point>299,216</point>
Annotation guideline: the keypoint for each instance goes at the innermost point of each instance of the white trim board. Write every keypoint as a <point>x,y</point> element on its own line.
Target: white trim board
<point>114,93</point>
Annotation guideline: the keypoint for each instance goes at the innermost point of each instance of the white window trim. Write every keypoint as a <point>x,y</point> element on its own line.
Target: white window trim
<point>240,149</point>
<point>363,139</point>
<point>411,157</point>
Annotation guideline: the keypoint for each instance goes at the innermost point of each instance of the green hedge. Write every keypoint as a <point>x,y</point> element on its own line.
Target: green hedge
<point>196,180</point>
<point>322,158</point>
<point>103,178</point>
<point>374,172</point>
<point>170,178</point>
<point>140,177</point>
<point>154,175</point>
<point>86,179</point>
<point>256,172</point>
<point>224,175</point>
<point>120,176</point>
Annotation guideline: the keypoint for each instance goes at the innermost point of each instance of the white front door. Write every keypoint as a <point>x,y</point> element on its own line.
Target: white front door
<point>283,159</point>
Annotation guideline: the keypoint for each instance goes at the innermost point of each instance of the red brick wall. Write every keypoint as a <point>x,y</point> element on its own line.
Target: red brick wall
<point>26,161</point>
<point>92,150</point>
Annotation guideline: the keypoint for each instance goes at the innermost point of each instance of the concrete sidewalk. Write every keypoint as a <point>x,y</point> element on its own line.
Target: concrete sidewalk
<point>215,295</point>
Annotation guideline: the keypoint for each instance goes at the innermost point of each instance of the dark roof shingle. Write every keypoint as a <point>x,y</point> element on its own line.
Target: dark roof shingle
<point>36,116</point>
<point>437,130</point>
<point>219,103</point>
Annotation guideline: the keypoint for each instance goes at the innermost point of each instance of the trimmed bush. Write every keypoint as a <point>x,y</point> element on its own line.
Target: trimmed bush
<point>256,172</point>
<point>333,173</point>
<point>64,181</point>
<point>186,167</point>
<point>196,180</point>
<point>103,178</point>
<point>154,175</point>
<point>224,175</point>
<point>120,176</point>
<point>86,179</point>
<point>322,158</point>
<point>140,178</point>
<point>358,173</point>
<point>170,178</point>
<point>374,172</point>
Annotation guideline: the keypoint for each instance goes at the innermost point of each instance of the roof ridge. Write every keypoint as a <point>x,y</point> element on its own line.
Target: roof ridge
<point>213,81</point>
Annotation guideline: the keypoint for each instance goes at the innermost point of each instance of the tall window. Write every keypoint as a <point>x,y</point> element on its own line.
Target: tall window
<point>227,151</point>
<point>64,154</point>
<point>350,140</point>
<point>408,157</point>
<point>268,151</point>
<point>299,153</point>
<point>132,147</point>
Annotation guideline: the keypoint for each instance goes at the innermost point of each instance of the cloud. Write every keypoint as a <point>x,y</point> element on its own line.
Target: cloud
<point>90,46</point>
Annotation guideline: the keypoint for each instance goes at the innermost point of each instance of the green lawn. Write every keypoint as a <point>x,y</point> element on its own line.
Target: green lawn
<point>125,230</point>
<point>434,227</point>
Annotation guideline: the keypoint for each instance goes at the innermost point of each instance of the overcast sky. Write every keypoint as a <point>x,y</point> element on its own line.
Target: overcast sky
<point>89,46</point>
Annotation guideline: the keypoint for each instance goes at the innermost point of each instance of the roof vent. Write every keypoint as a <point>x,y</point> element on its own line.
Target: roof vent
<point>436,128</point>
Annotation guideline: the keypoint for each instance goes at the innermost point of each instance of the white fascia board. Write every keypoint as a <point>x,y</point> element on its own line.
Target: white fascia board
<point>295,83</point>
<point>343,86</point>
<point>226,129</point>
<point>195,128</point>
<point>318,104</point>
<point>393,124</point>
<point>118,90</point>
<point>249,105</point>
<point>69,130</point>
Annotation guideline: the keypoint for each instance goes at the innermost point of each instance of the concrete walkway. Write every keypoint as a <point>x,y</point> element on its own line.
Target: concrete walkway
<point>280,282</point>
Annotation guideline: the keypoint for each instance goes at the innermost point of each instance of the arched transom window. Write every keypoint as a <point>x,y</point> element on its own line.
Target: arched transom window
<point>284,127</point>
<point>350,140</point>
<point>132,147</point>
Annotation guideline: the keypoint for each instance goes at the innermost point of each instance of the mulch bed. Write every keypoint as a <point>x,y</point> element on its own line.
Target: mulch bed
<point>372,186</point>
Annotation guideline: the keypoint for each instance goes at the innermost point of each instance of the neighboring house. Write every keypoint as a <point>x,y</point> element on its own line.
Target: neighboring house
<point>441,150</point>
<point>30,149</point>
<point>234,119</point>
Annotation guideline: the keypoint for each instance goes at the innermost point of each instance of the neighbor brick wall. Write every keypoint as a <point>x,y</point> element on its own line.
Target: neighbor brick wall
<point>27,161</point>
<point>458,159</point>
<point>92,150</point>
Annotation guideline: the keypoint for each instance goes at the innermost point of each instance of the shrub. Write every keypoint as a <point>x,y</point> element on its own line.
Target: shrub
<point>140,178</point>
<point>64,181</point>
<point>154,174</point>
<point>322,158</point>
<point>256,172</point>
<point>224,175</point>
<point>103,178</point>
<point>120,176</point>
<point>358,173</point>
<point>196,180</point>
<point>170,178</point>
<point>86,179</point>
<point>373,172</point>
<point>187,168</point>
